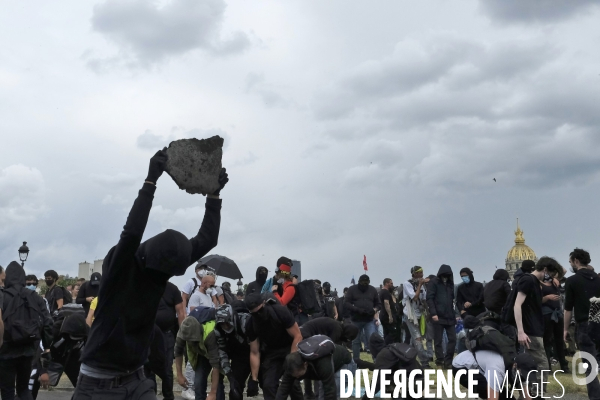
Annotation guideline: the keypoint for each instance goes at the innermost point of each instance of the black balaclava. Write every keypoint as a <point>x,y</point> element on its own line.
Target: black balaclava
<point>363,283</point>
<point>349,332</point>
<point>15,276</point>
<point>326,287</point>
<point>169,253</point>
<point>261,275</point>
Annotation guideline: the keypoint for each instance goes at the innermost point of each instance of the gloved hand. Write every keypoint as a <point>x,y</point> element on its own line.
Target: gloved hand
<point>252,388</point>
<point>223,179</point>
<point>234,393</point>
<point>157,166</point>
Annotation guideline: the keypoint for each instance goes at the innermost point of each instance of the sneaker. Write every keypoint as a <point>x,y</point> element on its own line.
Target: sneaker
<point>553,361</point>
<point>188,394</point>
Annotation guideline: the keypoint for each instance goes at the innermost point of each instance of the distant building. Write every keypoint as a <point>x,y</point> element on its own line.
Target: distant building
<point>518,253</point>
<point>86,269</point>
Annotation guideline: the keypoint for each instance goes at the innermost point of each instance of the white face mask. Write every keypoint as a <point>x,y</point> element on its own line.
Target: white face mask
<point>201,273</point>
<point>209,291</point>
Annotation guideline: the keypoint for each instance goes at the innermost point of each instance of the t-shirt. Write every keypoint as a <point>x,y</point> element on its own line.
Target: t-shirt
<point>200,299</point>
<point>52,296</point>
<point>188,287</point>
<point>408,293</point>
<point>272,333</point>
<point>531,309</point>
<point>489,363</point>
<point>384,295</point>
<point>93,306</point>
<point>166,314</point>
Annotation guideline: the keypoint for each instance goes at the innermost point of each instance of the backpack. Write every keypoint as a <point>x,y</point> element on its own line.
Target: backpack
<point>487,338</point>
<point>306,296</point>
<point>65,312</point>
<point>404,352</point>
<point>315,347</point>
<point>66,295</point>
<point>22,317</point>
<point>193,290</point>
<point>204,314</point>
<point>508,311</point>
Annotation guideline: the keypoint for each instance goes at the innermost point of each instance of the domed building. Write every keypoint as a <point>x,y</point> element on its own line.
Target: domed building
<point>519,252</point>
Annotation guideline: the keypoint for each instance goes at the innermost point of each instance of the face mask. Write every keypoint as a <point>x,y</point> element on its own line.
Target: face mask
<point>465,279</point>
<point>444,279</point>
<point>30,287</point>
<point>280,281</point>
<point>49,282</point>
<point>201,273</point>
<point>209,291</point>
<point>547,277</point>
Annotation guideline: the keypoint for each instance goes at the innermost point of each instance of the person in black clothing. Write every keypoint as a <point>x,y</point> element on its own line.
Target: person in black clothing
<point>496,292</point>
<point>579,288</point>
<point>54,294</point>
<point>323,369</point>
<point>362,303</point>
<point>88,291</point>
<point>337,331</point>
<point>553,322</point>
<point>389,317</point>
<point>469,296</point>
<point>16,359</point>
<point>119,340</point>
<point>169,316</point>
<point>329,300</point>
<point>257,285</point>
<point>440,301</point>
<point>273,334</point>
<point>342,313</point>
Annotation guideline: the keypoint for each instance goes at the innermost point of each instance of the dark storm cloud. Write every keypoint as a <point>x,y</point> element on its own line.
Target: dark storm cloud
<point>147,33</point>
<point>521,112</point>
<point>527,11</point>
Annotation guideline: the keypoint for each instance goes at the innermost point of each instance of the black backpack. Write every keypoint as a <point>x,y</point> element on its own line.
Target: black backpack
<point>508,311</point>
<point>22,317</point>
<point>404,352</point>
<point>487,338</point>
<point>315,347</point>
<point>306,296</point>
<point>66,295</point>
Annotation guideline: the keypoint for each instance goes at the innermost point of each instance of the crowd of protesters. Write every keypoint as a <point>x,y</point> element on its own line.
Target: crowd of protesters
<point>113,334</point>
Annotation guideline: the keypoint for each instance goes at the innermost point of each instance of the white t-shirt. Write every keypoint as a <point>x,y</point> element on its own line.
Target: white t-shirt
<point>408,293</point>
<point>189,286</point>
<point>200,299</point>
<point>488,363</point>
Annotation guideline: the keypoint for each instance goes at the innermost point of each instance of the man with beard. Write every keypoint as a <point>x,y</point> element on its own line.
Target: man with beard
<point>89,291</point>
<point>119,340</point>
<point>363,304</point>
<point>257,285</point>
<point>469,297</point>
<point>440,301</point>
<point>273,334</point>
<point>390,320</point>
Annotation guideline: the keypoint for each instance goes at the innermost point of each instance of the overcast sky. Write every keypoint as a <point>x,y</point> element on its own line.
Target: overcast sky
<point>351,128</point>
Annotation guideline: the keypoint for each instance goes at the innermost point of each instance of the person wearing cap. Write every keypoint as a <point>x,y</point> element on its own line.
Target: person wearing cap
<point>362,302</point>
<point>413,299</point>
<point>273,334</point>
<point>261,277</point>
<point>283,288</point>
<point>89,291</point>
<point>490,379</point>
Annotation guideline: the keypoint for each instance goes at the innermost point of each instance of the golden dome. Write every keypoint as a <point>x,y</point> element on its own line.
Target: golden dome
<point>520,251</point>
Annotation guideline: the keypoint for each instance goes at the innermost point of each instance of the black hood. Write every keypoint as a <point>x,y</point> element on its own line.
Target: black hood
<point>15,276</point>
<point>376,344</point>
<point>585,272</point>
<point>501,275</point>
<point>446,269</point>
<point>169,252</point>
<point>519,273</point>
<point>261,278</point>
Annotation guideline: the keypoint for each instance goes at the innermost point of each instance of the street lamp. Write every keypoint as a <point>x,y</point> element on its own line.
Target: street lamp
<point>240,284</point>
<point>23,253</point>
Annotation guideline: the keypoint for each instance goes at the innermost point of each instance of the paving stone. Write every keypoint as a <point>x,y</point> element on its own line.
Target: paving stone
<point>195,164</point>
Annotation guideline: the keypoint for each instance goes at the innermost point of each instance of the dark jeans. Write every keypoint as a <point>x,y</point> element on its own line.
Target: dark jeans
<point>167,384</point>
<point>584,343</point>
<point>240,368</point>
<point>553,340</point>
<point>392,333</point>
<point>139,389</point>
<point>202,373</point>
<point>271,370</point>
<point>366,327</point>
<point>438,337</point>
<point>301,318</point>
<point>14,374</point>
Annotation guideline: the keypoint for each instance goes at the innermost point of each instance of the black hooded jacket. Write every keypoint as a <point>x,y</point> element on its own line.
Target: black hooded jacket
<point>134,278</point>
<point>440,297</point>
<point>359,304</point>
<point>88,290</point>
<point>257,285</point>
<point>496,292</point>
<point>15,284</point>
<point>579,288</point>
<point>471,292</point>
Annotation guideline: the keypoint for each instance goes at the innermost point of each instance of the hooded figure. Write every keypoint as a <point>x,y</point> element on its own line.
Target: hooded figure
<point>134,278</point>
<point>261,278</point>
<point>89,289</point>
<point>496,292</point>
<point>469,292</point>
<point>440,301</point>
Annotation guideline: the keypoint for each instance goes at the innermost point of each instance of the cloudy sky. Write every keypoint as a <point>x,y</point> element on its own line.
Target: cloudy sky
<point>351,128</point>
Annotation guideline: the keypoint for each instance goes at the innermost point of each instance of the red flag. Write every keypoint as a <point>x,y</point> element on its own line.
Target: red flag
<point>365,263</point>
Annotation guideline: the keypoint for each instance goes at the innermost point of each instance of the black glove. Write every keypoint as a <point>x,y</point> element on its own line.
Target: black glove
<point>223,179</point>
<point>252,388</point>
<point>234,393</point>
<point>157,165</point>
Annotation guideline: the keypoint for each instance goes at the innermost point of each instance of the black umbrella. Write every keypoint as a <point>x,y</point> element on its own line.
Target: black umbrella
<point>222,266</point>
